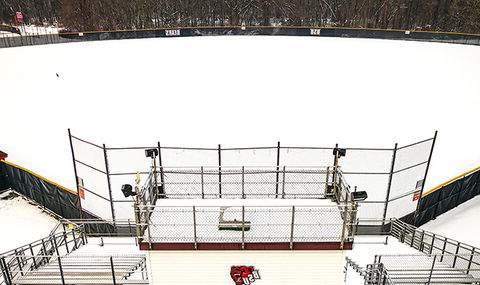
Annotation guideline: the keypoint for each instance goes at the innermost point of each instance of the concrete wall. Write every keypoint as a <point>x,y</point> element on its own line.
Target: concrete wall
<point>275,267</point>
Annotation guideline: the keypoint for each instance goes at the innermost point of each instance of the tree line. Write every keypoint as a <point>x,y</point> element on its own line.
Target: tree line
<point>95,15</point>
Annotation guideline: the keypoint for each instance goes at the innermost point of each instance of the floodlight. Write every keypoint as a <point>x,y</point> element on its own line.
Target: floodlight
<point>151,152</point>
<point>359,196</point>
<point>127,190</point>
<point>341,151</point>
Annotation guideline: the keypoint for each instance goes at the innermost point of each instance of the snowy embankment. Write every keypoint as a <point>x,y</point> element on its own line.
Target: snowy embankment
<point>31,30</point>
<point>461,223</point>
<point>21,222</point>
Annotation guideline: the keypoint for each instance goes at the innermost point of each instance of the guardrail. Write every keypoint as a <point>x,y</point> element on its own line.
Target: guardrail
<point>14,261</point>
<point>74,270</point>
<point>246,227</point>
<point>239,182</point>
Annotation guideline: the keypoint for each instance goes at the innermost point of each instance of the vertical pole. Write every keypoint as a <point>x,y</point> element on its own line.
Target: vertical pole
<point>33,256</point>
<point>413,237</point>
<point>432,244</point>
<point>201,181</point>
<point>129,228</point>
<point>44,250</point>
<point>292,227</point>
<point>61,270</point>
<point>109,187</point>
<point>155,180</point>
<point>443,249</point>
<point>470,261</point>
<point>74,240</point>
<point>194,228</point>
<point>76,175</point>
<point>113,271</point>
<point>243,182</point>
<point>243,227</point>
<point>160,164</point>
<point>3,266</point>
<point>278,168</point>
<point>65,240</point>
<point>326,181</point>
<point>19,263</point>
<point>335,170</point>
<point>283,181</point>
<point>456,254</point>
<point>421,246</point>
<point>431,271</point>
<point>425,178</point>
<point>389,187</point>
<point>220,170</point>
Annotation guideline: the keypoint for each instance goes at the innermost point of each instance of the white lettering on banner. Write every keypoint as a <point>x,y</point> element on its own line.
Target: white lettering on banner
<point>315,32</point>
<point>171,33</point>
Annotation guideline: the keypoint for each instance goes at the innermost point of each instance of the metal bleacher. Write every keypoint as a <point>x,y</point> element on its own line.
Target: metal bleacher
<point>88,270</point>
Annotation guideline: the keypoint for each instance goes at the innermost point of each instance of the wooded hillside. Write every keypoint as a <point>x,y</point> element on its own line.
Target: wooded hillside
<point>92,15</point>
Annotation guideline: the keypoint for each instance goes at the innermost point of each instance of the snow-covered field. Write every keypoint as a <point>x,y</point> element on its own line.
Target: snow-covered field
<point>21,222</point>
<point>239,91</point>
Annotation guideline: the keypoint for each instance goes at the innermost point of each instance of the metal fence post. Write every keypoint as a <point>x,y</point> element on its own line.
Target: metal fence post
<point>194,228</point>
<point>443,249</point>
<point>107,170</point>
<point>283,181</point>
<point>431,271</point>
<point>471,259</point>
<point>424,179</point>
<point>243,227</point>
<point>292,227</point>
<point>421,242</point>
<point>278,168</point>
<point>74,240</point>
<point>335,171</point>
<point>44,250</point>
<point>53,242</point>
<point>65,238</point>
<point>76,175</point>
<point>5,272</point>
<point>389,187</point>
<point>432,244</point>
<point>201,181</point>
<point>243,182</point>
<point>19,263</point>
<point>61,270</point>
<point>456,254</point>
<point>220,170</point>
<point>33,256</point>
<point>160,164</point>
<point>113,271</point>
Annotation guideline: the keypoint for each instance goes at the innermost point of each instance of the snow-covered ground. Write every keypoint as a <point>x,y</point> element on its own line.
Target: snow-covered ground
<point>239,91</point>
<point>21,222</point>
<point>461,223</point>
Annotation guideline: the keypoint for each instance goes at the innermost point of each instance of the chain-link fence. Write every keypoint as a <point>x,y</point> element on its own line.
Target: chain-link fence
<point>245,226</point>
<point>393,177</point>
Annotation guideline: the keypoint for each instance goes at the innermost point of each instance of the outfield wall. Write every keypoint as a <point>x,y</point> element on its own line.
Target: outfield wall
<point>447,196</point>
<point>66,37</point>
